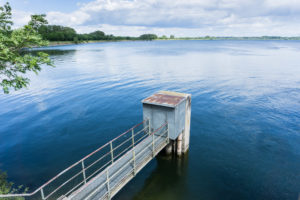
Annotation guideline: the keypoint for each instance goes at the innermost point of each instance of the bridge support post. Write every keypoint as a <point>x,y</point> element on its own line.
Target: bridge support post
<point>174,108</point>
<point>169,148</point>
<point>187,125</point>
<point>179,144</point>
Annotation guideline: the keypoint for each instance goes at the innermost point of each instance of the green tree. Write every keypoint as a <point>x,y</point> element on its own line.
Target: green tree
<point>97,35</point>
<point>148,37</point>
<point>207,37</point>
<point>15,61</point>
<point>172,37</point>
<point>75,39</point>
<point>57,33</point>
<point>7,187</point>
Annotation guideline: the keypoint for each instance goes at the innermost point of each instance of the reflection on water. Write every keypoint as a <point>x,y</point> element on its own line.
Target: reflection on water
<point>52,52</point>
<point>245,131</point>
<point>167,181</point>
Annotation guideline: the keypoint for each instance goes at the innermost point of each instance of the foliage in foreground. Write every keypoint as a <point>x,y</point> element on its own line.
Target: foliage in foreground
<point>14,61</point>
<point>7,187</point>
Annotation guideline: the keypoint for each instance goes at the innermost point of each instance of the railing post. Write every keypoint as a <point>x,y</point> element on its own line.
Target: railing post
<point>149,126</point>
<point>107,184</point>
<point>133,152</point>
<point>132,133</point>
<point>153,144</point>
<point>83,171</point>
<point>133,155</point>
<point>111,152</point>
<point>168,140</point>
<point>42,193</point>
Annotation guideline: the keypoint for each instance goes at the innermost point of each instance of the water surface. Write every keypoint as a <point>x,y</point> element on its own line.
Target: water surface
<point>245,130</point>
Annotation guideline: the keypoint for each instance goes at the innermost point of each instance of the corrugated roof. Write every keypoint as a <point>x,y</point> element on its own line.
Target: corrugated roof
<point>165,98</point>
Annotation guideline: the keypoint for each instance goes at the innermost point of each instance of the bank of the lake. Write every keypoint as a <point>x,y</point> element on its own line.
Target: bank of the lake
<point>60,43</point>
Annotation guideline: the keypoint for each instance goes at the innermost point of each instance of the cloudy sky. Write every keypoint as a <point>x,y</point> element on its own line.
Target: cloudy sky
<point>165,17</point>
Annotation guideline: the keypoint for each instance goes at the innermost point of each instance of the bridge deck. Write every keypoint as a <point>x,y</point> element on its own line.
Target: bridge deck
<point>110,181</point>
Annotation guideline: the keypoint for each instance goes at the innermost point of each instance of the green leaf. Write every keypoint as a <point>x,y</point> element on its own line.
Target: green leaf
<point>14,59</point>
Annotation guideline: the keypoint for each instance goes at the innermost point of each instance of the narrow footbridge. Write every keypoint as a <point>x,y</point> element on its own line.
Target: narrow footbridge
<point>102,173</point>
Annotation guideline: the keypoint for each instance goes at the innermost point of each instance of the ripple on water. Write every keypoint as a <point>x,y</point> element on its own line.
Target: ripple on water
<point>245,116</point>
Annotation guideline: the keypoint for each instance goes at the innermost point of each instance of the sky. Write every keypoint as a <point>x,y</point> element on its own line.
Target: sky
<point>167,17</point>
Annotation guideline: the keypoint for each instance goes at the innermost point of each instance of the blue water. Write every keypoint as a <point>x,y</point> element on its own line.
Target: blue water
<point>245,131</point>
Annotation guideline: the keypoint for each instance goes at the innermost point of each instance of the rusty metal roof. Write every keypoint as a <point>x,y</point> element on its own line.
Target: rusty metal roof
<point>164,99</point>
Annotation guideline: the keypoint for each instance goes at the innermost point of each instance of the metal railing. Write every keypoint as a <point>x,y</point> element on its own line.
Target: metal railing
<point>159,139</point>
<point>78,174</point>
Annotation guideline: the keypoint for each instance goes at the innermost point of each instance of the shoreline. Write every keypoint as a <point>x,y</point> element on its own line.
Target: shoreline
<point>63,43</point>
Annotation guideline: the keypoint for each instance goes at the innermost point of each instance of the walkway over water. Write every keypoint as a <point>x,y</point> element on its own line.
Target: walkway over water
<point>102,173</point>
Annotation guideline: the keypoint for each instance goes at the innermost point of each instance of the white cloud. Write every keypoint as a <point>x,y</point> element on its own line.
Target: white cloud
<point>184,18</point>
<point>286,3</point>
<point>20,18</point>
<point>68,19</point>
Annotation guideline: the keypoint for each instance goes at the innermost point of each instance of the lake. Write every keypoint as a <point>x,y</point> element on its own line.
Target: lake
<point>245,128</point>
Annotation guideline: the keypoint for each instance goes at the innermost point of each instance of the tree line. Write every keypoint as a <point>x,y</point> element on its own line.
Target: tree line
<point>62,33</point>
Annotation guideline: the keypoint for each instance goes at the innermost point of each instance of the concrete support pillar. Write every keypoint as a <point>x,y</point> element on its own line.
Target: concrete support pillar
<point>179,145</point>
<point>169,148</point>
<point>187,126</point>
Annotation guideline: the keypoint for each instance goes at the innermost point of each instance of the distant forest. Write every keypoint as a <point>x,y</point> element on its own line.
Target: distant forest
<point>62,33</point>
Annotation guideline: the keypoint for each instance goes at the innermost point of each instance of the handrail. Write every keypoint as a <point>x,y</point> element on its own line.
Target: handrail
<point>72,166</point>
<point>128,163</point>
